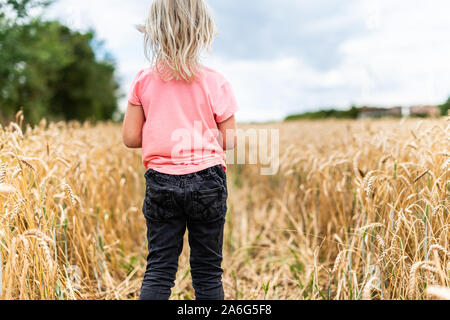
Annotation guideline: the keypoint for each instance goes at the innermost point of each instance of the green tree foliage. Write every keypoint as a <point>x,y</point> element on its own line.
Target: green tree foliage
<point>445,107</point>
<point>324,114</point>
<point>20,8</point>
<point>49,70</point>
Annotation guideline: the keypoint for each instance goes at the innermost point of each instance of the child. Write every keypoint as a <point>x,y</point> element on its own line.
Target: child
<point>182,116</point>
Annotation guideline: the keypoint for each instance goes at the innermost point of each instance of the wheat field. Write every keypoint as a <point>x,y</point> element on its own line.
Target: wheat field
<point>358,210</point>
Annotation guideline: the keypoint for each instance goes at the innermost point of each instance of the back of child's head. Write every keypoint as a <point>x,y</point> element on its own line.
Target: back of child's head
<point>176,32</point>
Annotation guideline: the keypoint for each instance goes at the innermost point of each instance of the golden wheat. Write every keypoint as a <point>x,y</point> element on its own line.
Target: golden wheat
<point>358,210</point>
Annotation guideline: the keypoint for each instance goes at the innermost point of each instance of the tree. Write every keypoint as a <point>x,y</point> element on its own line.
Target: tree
<point>51,71</point>
<point>84,88</point>
<point>445,108</point>
<point>21,8</point>
<point>352,113</point>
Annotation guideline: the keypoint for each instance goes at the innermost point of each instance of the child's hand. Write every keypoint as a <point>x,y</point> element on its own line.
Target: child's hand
<point>132,126</point>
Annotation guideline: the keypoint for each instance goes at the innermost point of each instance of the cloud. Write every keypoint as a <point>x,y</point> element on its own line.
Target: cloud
<point>265,29</point>
<point>271,89</point>
<point>290,56</point>
<point>404,55</point>
<point>397,56</point>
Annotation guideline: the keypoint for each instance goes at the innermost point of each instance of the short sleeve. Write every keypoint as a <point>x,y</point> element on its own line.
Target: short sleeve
<point>224,105</point>
<point>134,93</point>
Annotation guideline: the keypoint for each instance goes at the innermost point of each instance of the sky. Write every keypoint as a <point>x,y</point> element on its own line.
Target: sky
<point>291,56</point>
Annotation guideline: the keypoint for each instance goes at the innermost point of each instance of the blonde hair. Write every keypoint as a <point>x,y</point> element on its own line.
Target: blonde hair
<point>175,33</point>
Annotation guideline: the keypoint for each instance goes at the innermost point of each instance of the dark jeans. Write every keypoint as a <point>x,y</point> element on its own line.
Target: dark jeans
<point>197,202</point>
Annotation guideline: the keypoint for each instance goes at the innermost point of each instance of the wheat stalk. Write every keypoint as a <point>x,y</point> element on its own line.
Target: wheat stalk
<point>338,261</point>
<point>425,265</point>
<point>446,165</point>
<point>70,194</point>
<point>2,173</point>
<point>382,246</point>
<point>439,248</point>
<point>288,227</point>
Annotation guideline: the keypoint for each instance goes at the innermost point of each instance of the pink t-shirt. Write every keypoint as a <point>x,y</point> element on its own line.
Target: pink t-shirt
<point>180,132</point>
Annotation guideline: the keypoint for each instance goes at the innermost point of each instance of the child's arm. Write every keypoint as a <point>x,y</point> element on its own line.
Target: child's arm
<point>228,130</point>
<point>132,126</point>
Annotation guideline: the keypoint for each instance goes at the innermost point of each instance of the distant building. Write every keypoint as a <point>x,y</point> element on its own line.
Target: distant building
<point>397,112</point>
<point>406,112</point>
<point>425,111</point>
<point>367,112</point>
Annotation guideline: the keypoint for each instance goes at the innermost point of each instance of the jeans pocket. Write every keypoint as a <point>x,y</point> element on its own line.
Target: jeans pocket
<point>158,204</point>
<point>209,205</point>
<point>222,173</point>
